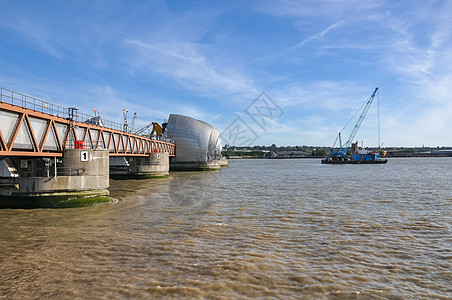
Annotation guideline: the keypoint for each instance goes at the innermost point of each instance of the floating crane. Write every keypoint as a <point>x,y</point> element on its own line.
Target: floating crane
<point>338,156</point>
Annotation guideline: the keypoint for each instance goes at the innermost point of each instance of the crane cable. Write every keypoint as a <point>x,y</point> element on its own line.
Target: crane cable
<point>378,108</point>
<point>359,109</point>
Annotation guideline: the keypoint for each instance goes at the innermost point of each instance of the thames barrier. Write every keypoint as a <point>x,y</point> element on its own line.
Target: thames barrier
<point>51,156</point>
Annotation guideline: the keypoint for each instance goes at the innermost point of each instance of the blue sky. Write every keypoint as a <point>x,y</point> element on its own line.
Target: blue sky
<point>317,61</point>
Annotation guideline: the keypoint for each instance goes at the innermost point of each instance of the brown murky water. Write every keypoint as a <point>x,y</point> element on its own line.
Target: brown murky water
<point>275,229</point>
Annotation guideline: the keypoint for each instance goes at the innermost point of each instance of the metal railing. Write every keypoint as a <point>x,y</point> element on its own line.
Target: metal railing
<point>67,171</point>
<point>24,101</point>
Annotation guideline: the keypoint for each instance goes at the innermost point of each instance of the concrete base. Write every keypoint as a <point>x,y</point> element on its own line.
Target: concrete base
<point>139,176</point>
<point>156,165</point>
<point>38,185</point>
<point>55,200</point>
<point>224,162</point>
<point>195,166</point>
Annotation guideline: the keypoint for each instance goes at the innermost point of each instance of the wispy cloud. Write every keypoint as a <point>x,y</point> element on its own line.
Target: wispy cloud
<point>331,9</point>
<point>186,64</point>
<point>209,60</point>
<point>37,35</point>
<point>407,45</point>
<point>106,98</point>
<point>322,95</point>
<point>313,37</point>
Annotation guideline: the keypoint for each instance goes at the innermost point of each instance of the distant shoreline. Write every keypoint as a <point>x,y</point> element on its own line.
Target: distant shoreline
<point>419,155</point>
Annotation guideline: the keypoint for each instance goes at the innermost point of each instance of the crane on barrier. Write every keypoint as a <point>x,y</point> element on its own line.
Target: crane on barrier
<point>133,122</point>
<point>125,114</point>
<point>156,129</point>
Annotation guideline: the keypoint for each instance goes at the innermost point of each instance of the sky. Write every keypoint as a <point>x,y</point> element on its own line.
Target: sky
<point>288,72</point>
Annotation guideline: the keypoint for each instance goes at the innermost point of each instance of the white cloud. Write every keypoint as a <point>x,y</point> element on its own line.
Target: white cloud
<point>35,34</point>
<point>409,45</point>
<point>109,100</point>
<point>322,8</point>
<point>313,37</point>
<point>322,95</point>
<point>405,48</point>
<point>186,63</point>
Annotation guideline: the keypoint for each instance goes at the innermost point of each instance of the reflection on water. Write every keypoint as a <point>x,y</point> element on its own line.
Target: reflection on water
<point>259,228</point>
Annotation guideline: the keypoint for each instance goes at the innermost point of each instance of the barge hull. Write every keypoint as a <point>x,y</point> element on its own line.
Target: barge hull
<point>354,162</point>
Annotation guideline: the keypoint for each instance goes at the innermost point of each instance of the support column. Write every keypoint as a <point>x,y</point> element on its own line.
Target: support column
<point>81,179</point>
<point>153,166</point>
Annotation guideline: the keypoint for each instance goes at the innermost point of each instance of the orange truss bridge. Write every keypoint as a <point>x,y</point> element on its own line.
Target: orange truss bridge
<point>35,128</point>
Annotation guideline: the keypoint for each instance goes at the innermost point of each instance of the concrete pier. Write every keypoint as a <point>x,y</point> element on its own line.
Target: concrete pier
<point>79,178</point>
<point>198,144</point>
<point>195,166</point>
<point>224,162</point>
<point>153,166</point>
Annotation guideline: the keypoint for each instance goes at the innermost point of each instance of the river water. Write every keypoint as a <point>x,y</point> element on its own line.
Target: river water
<point>273,229</point>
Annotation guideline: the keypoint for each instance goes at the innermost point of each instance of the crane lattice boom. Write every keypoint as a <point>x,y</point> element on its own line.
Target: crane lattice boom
<point>360,120</point>
<point>343,148</point>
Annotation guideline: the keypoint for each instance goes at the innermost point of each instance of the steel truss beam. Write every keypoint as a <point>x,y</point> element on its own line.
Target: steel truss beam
<point>118,142</point>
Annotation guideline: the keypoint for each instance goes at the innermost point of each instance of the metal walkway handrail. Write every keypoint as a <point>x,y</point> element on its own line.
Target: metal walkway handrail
<point>25,101</point>
<point>32,127</point>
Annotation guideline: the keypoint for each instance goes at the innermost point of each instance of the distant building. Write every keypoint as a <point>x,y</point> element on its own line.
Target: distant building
<point>274,152</point>
<point>273,148</point>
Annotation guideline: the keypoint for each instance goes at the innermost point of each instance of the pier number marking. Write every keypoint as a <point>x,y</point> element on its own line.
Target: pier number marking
<point>83,155</point>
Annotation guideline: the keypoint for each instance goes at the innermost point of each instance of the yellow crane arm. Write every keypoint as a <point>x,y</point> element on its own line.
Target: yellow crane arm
<point>157,129</point>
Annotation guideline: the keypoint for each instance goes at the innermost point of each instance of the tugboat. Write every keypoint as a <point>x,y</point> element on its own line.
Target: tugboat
<point>357,156</point>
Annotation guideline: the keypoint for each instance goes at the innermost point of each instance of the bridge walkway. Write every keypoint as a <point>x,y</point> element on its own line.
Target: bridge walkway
<point>36,128</point>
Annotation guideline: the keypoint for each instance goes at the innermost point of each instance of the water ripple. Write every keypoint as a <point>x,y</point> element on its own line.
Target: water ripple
<point>278,229</point>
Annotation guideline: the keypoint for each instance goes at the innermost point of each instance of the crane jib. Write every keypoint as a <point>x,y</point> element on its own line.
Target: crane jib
<point>344,148</point>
